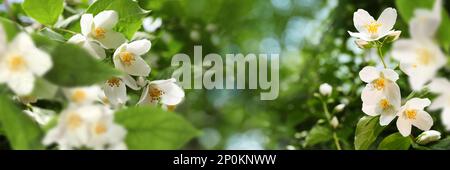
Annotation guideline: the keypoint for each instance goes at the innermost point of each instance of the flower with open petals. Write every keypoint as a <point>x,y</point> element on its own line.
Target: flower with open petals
<point>116,89</point>
<point>165,91</point>
<point>21,62</point>
<point>90,45</point>
<point>412,113</point>
<point>381,96</point>
<point>370,29</point>
<point>151,24</point>
<point>441,87</point>
<point>127,58</point>
<point>100,28</point>
<point>83,95</point>
<point>425,23</point>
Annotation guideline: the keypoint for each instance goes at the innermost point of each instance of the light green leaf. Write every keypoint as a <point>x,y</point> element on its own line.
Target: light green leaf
<point>406,9</point>
<point>21,131</point>
<point>44,89</point>
<point>318,134</point>
<point>73,66</point>
<point>367,131</point>
<point>152,128</point>
<point>395,142</point>
<point>44,11</point>
<point>130,14</point>
<point>11,28</point>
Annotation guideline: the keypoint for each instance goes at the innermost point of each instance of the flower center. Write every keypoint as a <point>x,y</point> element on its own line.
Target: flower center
<point>100,128</point>
<point>372,28</point>
<point>379,83</point>
<point>384,104</point>
<point>411,113</point>
<point>425,56</point>
<point>114,82</point>
<point>78,96</point>
<point>127,58</point>
<point>16,63</point>
<point>99,33</point>
<point>155,93</point>
<point>74,121</point>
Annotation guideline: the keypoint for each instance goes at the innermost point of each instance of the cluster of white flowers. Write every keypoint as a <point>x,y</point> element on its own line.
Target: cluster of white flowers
<point>420,58</point>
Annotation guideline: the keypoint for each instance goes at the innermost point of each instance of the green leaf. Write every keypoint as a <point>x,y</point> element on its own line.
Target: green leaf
<point>152,128</point>
<point>406,9</point>
<point>395,142</point>
<point>367,131</point>
<point>73,66</point>
<point>21,131</point>
<point>44,89</point>
<point>11,28</point>
<point>443,144</point>
<point>130,14</point>
<point>318,134</point>
<point>44,11</point>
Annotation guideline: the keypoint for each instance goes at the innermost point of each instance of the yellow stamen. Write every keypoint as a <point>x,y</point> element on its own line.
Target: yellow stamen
<point>384,104</point>
<point>425,56</point>
<point>79,96</point>
<point>16,63</point>
<point>74,121</point>
<point>99,33</point>
<point>100,128</point>
<point>411,113</point>
<point>127,58</point>
<point>373,27</point>
<point>155,93</point>
<point>114,82</point>
<point>379,83</point>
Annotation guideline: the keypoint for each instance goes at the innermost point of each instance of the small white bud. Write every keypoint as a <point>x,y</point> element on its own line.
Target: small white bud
<point>428,136</point>
<point>363,44</point>
<point>339,108</point>
<point>334,122</point>
<point>325,89</point>
<point>141,82</point>
<point>393,36</point>
<point>290,147</point>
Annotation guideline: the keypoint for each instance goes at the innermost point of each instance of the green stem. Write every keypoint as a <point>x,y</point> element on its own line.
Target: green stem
<point>336,141</point>
<point>380,53</point>
<point>64,30</point>
<point>328,116</point>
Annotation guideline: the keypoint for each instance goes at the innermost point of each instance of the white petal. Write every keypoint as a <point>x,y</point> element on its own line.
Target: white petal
<point>138,68</point>
<point>387,117</point>
<point>22,43</point>
<point>77,39</point>
<point>361,18</point>
<point>370,109</point>
<point>439,85</point>
<point>387,20</point>
<point>112,39</point>
<point>445,118</point>
<point>106,19</point>
<point>417,103</point>
<point>390,74</point>
<point>369,74</point>
<point>86,23</point>
<point>440,102</point>
<point>371,95</point>
<point>116,95</point>
<point>144,99</point>
<point>403,126</point>
<point>38,61</point>
<point>403,50</point>
<point>423,121</point>
<point>423,25</point>
<point>393,94</point>
<point>130,82</point>
<point>95,50</point>
<point>361,36</point>
<point>174,94</point>
<point>21,83</point>
<point>139,47</point>
<point>4,72</point>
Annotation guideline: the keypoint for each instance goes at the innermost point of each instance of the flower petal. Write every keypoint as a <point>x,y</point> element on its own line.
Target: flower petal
<point>38,61</point>
<point>106,19</point>
<point>369,74</point>
<point>116,94</point>
<point>423,25</point>
<point>138,68</point>
<point>403,126</point>
<point>361,18</point>
<point>21,83</point>
<point>439,85</point>
<point>22,43</point>
<point>174,94</point>
<point>86,23</point>
<point>370,109</point>
<point>390,74</point>
<point>77,39</point>
<point>139,47</point>
<point>418,103</point>
<point>423,121</point>
<point>387,20</point>
<point>387,117</point>
<point>112,39</point>
<point>441,101</point>
<point>445,118</point>
<point>130,82</point>
<point>95,50</point>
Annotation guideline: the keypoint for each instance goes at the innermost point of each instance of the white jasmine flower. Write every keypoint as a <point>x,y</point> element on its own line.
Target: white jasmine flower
<point>428,136</point>
<point>116,91</point>
<point>325,89</point>
<point>425,23</point>
<point>89,126</point>
<point>20,62</point>
<point>412,113</point>
<point>90,45</point>
<point>41,116</point>
<point>100,28</point>
<point>128,58</point>
<point>370,29</point>
<point>419,59</point>
<point>83,95</point>
<point>165,91</point>
<point>381,96</point>
<point>151,24</point>
<point>441,86</point>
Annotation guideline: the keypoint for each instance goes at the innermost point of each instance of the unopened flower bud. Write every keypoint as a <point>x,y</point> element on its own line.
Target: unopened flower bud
<point>428,136</point>
<point>334,122</point>
<point>339,108</point>
<point>363,44</point>
<point>325,89</point>
<point>393,36</point>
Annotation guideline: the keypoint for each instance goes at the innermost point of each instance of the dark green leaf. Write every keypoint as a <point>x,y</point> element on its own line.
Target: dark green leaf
<point>443,144</point>
<point>318,134</point>
<point>367,131</point>
<point>395,142</point>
